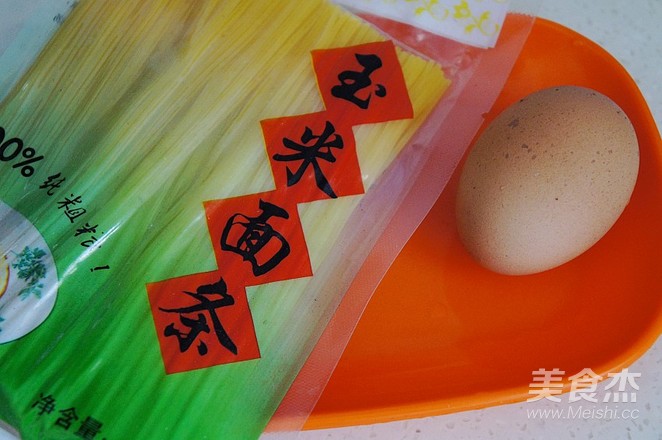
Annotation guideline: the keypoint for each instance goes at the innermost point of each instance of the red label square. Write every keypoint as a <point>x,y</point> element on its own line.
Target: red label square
<point>202,321</point>
<point>313,156</point>
<point>258,238</point>
<point>364,83</point>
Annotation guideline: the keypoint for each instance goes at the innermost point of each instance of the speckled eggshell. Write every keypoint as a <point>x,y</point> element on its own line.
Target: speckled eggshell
<point>546,180</point>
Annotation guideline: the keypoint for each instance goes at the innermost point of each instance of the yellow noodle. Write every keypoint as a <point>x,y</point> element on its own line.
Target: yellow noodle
<point>151,108</point>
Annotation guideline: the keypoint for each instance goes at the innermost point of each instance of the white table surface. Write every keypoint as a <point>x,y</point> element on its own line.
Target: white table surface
<point>632,32</point>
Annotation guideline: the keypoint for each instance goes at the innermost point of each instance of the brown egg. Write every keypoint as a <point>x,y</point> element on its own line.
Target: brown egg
<point>546,180</point>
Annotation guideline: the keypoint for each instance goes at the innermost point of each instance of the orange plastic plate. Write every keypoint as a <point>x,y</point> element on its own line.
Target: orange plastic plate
<point>441,334</point>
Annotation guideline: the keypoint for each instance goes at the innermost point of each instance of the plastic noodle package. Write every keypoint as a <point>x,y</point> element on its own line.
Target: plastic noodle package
<point>189,189</point>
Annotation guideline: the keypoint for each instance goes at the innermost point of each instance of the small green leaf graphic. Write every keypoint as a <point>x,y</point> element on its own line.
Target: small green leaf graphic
<point>30,269</point>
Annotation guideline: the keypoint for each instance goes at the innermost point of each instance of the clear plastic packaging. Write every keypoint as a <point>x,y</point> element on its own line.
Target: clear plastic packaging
<point>190,190</point>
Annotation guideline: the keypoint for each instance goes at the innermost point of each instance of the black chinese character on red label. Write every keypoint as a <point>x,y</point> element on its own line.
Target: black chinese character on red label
<point>204,307</point>
<point>352,82</point>
<point>255,239</point>
<point>311,149</point>
<point>363,84</point>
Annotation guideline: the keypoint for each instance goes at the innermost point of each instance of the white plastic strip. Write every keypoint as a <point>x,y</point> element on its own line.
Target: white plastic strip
<point>473,22</point>
<point>25,28</point>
